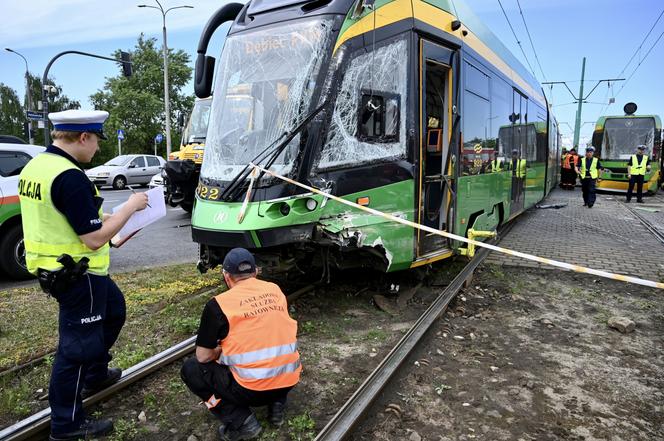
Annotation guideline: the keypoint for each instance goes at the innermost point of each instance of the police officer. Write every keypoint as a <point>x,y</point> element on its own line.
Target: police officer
<point>637,166</point>
<point>588,170</point>
<point>246,351</point>
<point>518,167</point>
<point>66,244</point>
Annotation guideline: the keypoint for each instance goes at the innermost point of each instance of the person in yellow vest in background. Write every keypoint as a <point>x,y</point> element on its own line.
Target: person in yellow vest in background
<point>66,238</point>
<point>637,166</point>
<point>246,351</point>
<point>563,158</point>
<point>497,164</point>
<point>518,167</point>
<point>588,170</point>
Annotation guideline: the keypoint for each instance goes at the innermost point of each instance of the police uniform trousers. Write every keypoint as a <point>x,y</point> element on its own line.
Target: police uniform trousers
<point>224,396</point>
<point>92,313</point>
<point>638,180</point>
<point>588,188</point>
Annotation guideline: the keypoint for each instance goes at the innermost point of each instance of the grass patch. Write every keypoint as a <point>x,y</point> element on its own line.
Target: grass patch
<point>301,428</point>
<point>163,308</point>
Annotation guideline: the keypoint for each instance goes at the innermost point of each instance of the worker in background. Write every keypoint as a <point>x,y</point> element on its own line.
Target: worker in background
<point>518,167</point>
<point>637,166</point>
<point>246,351</point>
<point>67,247</point>
<point>569,164</point>
<point>563,176</point>
<point>588,170</point>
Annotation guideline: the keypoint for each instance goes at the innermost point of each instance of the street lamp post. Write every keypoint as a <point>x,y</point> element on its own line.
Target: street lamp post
<point>28,95</point>
<point>167,104</point>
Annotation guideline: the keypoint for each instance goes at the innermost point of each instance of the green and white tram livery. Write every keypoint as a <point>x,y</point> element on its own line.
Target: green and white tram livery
<point>398,105</point>
<point>615,139</point>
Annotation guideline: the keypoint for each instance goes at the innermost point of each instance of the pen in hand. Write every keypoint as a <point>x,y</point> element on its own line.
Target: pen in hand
<point>134,191</point>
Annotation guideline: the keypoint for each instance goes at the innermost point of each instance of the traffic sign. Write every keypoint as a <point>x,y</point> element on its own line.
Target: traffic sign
<point>34,115</point>
<point>121,134</point>
<point>158,138</point>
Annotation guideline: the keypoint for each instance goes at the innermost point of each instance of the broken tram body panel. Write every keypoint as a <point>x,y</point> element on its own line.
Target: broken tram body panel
<point>382,103</point>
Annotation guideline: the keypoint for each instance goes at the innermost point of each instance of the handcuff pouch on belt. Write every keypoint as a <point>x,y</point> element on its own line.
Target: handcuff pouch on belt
<point>63,279</point>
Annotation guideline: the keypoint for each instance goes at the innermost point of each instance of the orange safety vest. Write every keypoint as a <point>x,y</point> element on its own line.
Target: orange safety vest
<point>261,346</point>
<point>574,161</point>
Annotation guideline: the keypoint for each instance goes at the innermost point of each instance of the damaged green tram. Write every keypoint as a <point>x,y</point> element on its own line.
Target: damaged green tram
<point>399,105</point>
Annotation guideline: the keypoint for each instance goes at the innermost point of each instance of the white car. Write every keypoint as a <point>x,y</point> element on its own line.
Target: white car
<point>13,157</point>
<point>126,169</point>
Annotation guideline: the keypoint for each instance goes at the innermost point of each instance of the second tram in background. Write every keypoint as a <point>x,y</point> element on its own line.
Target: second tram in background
<point>615,139</point>
<point>403,106</point>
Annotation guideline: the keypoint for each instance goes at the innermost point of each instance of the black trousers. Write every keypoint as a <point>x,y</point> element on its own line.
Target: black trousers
<point>588,188</point>
<point>638,180</point>
<point>92,313</point>
<point>223,396</point>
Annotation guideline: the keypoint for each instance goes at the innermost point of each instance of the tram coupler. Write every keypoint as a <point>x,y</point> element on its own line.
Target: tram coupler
<point>472,235</point>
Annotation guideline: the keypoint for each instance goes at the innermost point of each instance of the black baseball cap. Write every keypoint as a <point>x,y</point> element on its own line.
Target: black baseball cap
<point>239,261</point>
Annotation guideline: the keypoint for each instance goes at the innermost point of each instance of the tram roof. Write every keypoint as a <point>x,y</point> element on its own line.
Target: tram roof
<point>602,120</point>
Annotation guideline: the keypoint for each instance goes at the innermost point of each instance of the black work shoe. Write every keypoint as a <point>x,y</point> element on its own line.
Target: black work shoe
<point>639,202</point>
<point>114,375</point>
<point>88,428</point>
<point>275,413</point>
<point>628,201</point>
<point>250,429</point>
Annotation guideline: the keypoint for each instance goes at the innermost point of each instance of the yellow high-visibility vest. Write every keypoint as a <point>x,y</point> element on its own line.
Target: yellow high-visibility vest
<point>637,169</point>
<point>593,168</point>
<point>46,231</point>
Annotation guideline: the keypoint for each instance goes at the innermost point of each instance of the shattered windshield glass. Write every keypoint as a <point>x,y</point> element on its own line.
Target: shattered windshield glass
<point>264,87</point>
<point>622,135</point>
<point>381,73</point>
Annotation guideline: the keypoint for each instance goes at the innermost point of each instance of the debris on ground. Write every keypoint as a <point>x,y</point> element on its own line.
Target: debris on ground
<point>622,324</point>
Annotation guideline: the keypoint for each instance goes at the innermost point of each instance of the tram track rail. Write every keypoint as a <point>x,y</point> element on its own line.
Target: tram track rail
<point>39,423</point>
<point>659,235</point>
<point>348,417</point>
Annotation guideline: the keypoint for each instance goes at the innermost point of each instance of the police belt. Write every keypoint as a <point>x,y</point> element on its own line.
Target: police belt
<point>59,281</point>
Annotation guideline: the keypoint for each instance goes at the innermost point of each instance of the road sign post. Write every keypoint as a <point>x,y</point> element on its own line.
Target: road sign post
<point>157,139</point>
<point>121,136</point>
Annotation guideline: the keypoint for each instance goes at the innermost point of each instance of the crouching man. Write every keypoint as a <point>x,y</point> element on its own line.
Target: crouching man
<point>246,351</point>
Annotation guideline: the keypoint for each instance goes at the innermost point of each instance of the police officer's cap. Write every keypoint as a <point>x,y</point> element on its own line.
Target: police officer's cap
<point>515,151</point>
<point>91,121</point>
<point>239,261</point>
<point>590,149</point>
<point>641,147</point>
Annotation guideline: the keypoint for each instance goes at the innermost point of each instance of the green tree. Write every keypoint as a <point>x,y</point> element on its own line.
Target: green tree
<point>57,101</point>
<point>136,103</point>
<point>11,112</point>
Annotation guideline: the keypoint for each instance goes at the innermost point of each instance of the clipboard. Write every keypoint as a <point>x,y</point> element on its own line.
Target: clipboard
<point>143,218</point>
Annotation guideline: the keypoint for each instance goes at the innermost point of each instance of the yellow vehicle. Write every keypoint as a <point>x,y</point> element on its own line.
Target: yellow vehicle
<point>183,168</point>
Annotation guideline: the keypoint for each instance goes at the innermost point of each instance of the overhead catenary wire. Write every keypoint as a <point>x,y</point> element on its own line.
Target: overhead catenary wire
<point>532,46</point>
<point>517,39</point>
<point>606,105</point>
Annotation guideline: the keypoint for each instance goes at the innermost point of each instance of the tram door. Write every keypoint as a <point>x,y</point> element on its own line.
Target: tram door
<point>517,149</point>
<point>435,165</point>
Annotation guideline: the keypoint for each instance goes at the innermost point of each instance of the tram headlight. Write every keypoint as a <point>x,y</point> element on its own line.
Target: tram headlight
<point>284,209</point>
<point>311,204</point>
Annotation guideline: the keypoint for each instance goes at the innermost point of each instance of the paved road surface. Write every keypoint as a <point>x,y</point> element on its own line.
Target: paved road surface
<point>165,242</point>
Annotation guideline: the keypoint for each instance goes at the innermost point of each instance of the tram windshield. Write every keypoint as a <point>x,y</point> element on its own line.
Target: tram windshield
<point>198,122</point>
<point>265,84</point>
<point>622,135</point>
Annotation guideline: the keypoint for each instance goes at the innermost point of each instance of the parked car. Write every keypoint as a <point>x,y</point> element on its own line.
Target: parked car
<point>13,157</point>
<point>126,169</point>
<point>156,180</point>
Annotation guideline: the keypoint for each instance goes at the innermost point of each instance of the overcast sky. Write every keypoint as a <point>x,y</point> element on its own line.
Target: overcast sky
<point>607,32</point>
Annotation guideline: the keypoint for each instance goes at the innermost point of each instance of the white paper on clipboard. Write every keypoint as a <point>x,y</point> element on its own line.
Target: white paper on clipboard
<point>143,218</point>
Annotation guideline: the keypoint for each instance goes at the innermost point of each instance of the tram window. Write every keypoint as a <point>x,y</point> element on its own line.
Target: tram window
<point>379,118</point>
<point>359,133</point>
<point>477,149</point>
<point>476,81</point>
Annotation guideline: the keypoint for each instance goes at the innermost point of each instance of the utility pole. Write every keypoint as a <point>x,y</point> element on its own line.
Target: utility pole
<point>582,99</point>
<point>577,124</point>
